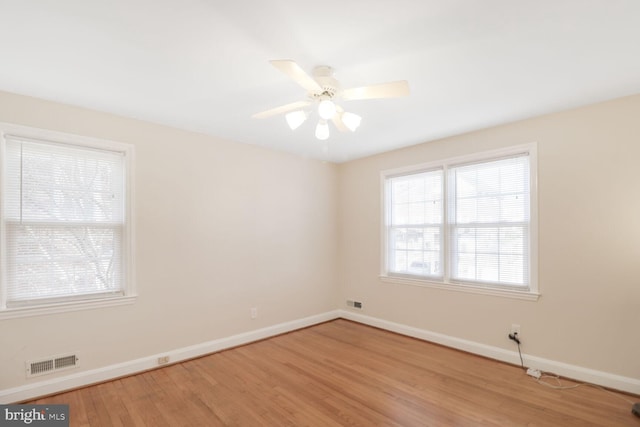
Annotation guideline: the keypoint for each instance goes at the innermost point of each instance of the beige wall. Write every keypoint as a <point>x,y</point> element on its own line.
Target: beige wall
<point>220,227</point>
<point>589,242</point>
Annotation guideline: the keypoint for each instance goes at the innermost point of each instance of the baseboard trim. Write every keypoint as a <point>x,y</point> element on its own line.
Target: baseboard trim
<point>83,379</point>
<point>605,379</point>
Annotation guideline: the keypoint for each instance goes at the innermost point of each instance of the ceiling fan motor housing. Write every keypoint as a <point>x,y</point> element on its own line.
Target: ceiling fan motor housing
<point>324,75</point>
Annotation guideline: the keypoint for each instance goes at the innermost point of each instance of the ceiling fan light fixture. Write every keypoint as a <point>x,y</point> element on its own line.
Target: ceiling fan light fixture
<point>296,118</point>
<point>326,109</point>
<point>351,121</point>
<point>321,88</point>
<point>322,130</point>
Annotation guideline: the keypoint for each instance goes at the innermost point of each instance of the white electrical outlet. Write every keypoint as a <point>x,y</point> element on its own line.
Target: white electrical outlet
<point>515,329</point>
<point>254,312</point>
<point>163,360</point>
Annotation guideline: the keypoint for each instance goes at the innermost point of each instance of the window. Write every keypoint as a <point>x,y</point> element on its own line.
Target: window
<point>415,226</point>
<point>66,234</point>
<point>464,223</point>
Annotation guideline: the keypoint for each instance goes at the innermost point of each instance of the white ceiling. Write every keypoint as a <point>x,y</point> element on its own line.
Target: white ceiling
<point>202,65</point>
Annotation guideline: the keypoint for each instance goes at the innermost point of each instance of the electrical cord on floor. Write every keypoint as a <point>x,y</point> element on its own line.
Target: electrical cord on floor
<point>514,337</point>
<point>557,378</point>
<point>559,385</point>
<point>520,354</point>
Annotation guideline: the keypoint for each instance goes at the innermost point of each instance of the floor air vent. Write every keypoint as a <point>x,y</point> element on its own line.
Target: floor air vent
<point>51,364</point>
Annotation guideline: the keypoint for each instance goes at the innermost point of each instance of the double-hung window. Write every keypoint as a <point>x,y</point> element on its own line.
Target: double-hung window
<point>415,229</point>
<point>66,230</point>
<point>466,223</point>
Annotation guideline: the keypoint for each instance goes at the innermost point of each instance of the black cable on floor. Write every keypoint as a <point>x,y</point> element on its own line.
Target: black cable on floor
<point>520,353</point>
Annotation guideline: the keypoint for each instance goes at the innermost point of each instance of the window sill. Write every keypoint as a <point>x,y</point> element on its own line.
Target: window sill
<point>63,307</point>
<point>505,293</point>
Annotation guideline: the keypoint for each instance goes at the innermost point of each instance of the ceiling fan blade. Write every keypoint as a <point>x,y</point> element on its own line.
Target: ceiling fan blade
<point>337,120</point>
<point>293,70</point>
<point>382,90</point>
<point>281,109</point>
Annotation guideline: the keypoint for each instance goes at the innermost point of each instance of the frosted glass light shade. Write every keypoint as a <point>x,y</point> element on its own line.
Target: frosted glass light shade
<point>322,130</point>
<point>326,109</point>
<point>351,121</point>
<point>296,118</point>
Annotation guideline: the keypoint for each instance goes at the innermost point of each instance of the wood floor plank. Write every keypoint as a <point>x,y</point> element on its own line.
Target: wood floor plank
<point>341,373</point>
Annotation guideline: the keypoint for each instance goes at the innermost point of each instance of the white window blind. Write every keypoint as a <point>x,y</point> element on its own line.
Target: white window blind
<point>64,222</point>
<point>415,223</point>
<point>489,221</point>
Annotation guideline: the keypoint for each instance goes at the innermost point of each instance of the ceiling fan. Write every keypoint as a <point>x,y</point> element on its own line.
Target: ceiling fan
<point>323,90</point>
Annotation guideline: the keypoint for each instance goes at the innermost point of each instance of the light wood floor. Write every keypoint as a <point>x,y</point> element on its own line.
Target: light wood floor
<point>336,374</point>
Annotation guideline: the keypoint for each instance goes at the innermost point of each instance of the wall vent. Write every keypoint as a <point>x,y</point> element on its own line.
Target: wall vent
<point>51,365</point>
<point>354,304</point>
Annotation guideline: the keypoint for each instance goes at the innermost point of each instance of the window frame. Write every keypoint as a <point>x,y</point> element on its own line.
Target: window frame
<point>531,293</point>
<point>71,303</point>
